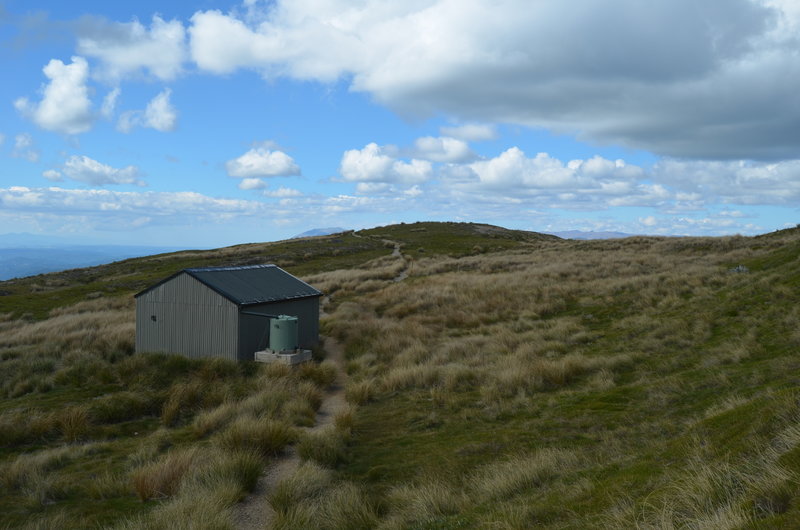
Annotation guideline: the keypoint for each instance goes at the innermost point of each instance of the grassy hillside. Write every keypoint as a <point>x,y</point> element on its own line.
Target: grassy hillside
<point>510,380</point>
<point>35,296</point>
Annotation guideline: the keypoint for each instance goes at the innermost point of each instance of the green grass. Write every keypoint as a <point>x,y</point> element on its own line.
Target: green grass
<point>636,381</point>
<point>692,344</point>
<point>34,297</point>
<point>455,239</point>
<point>118,433</point>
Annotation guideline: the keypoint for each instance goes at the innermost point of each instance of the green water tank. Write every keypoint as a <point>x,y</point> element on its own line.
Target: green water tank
<point>283,333</point>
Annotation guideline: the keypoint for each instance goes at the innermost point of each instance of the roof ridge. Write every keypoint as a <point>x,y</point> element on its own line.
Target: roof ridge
<point>298,279</point>
<point>231,268</point>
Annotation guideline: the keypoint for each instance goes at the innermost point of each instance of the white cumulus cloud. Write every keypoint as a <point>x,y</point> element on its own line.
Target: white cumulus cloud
<point>110,103</point>
<point>159,114</point>
<point>543,181</point>
<point>252,184</point>
<point>65,106</point>
<point>222,43</point>
<point>127,48</point>
<point>52,174</point>
<point>25,147</point>
<point>442,149</point>
<point>513,169</point>
<point>90,171</point>
<point>739,182</point>
<point>712,79</point>
<point>371,164</point>
<point>283,192</point>
<point>262,162</point>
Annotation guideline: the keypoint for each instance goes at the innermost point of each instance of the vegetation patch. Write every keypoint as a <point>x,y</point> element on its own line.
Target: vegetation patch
<point>641,382</point>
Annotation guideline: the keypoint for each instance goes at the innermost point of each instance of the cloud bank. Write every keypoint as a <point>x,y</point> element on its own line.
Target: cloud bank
<point>679,78</point>
<point>130,49</point>
<point>85,169</point>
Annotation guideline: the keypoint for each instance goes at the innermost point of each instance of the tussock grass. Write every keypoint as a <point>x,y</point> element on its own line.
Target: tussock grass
<point>327,446</point>
<point>97,326</point>
<point>636,381</point>
<point>360,392</point>
<point>728,403</point>
<point>322,375</point>
<point>184,513</point>
<point>347,506</point>
<point>243,467</point>
<point>184,397</point>
<point>504,479</point>
<point>269,400</point>
<point>579,344</point>
<point>82,391</point>
<point>344,420</point>
<point>201,495</point>
<point>73,423</point>
<point>416,504</point>
<point>267,436</point>
<point>29,468</point>
<point>337,506</point>
<point>108,485</point>
<point>212,420</point>
<point>305,485</point>
<point>59,519</point>
<point>32,475</point>
<point>123,406</point>
<point>163,477</point>
<point>18,427</point>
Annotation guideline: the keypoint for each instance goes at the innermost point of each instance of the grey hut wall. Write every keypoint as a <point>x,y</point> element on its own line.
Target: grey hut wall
<point>190,319</point>
<point>253,330</point>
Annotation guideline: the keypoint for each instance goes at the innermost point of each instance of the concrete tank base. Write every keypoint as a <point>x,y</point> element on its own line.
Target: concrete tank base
<point>290,357</point>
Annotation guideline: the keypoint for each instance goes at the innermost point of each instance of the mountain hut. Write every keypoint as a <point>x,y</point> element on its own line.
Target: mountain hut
<point>223,311</point>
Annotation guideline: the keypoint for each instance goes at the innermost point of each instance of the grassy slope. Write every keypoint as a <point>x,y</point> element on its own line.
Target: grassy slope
<point>80,416</point>
<point>35,296</point>
<point>512,380</point>
<point>696,423</point>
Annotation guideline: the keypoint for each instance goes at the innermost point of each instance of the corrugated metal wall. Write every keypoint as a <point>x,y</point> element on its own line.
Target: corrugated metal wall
<point>190,319</point>
<point>253,331</point>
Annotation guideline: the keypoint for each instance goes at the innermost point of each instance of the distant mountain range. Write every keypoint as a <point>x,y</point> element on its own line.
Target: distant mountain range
<point>578,234</point>
<point>321,232</point>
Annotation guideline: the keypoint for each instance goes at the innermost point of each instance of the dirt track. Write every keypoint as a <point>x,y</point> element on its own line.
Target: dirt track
<point>255,512</point>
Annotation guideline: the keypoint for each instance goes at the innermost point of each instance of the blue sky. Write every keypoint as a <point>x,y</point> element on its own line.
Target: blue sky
<point>207,123</point>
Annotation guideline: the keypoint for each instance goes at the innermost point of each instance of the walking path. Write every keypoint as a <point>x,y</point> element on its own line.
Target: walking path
<point>255,511</point>
<point>399,255</point>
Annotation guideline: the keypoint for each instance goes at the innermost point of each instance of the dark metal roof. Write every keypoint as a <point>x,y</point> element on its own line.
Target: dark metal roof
<point>254,284</point>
